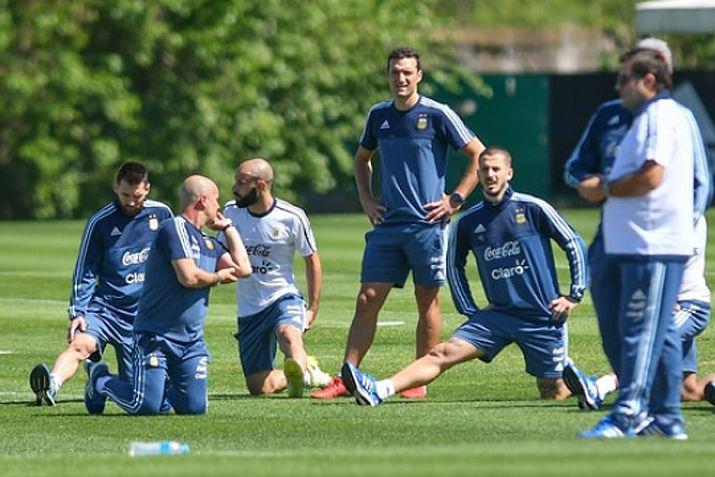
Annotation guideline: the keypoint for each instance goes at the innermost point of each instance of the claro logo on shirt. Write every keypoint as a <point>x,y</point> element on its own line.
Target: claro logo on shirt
<point>135,258</point>
<point>508,249</point>
<point>504,273</point>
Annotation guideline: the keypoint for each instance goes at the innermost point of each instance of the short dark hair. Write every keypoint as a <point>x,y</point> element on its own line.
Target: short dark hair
<point>495,151</point>
<point>403,52</point>
<point>132,172</point>
<point>646,60</point>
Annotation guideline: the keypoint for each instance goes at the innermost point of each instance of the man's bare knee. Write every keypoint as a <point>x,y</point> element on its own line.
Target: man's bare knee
<point>288,335</point>
<point>437,352</point>
<point>82,347</point>
<point>367,300</point>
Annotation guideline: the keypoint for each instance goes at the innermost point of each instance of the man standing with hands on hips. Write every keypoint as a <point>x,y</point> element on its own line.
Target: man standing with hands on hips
<point>412,133</point>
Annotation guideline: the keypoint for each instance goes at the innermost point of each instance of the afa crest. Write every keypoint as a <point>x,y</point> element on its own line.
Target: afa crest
<point>276,233</point>
<point>422,122</point>
<point>520,218</point>
<point>209,244</point>
<point>153,223</point>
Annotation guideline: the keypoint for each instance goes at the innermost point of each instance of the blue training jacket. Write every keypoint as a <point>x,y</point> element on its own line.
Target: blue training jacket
<point>511,242</point>
<point>109,273</point>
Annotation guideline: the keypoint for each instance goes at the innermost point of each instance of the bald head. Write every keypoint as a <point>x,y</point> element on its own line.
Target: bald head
<point>258,168</point>
<point>193,187</point>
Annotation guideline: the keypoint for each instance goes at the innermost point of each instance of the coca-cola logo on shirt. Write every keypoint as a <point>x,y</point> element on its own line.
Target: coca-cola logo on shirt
<point>135,258</point>
<point>508,249</point>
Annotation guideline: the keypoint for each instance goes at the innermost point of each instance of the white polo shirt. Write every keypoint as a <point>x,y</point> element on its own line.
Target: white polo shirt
<point>661,221</point>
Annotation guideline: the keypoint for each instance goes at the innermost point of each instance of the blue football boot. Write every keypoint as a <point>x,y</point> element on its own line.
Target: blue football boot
<point>583,387</point>
<point>607,428</point>
<point>361,386</point>
<point>664,427</point>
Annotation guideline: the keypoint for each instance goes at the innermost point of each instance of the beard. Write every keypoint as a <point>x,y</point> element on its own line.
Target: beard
<point>493,194</point>
<point>248,199</point>
<point>131,211</point>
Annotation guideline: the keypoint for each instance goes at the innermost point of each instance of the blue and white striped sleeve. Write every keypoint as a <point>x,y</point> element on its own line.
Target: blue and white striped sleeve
<point>176,239</point>
<point>458,135</point>
<point>702,167</point>
<point>555,227</point>
<point>457,251</point>
<point>84,278</point>
<point>584,159</point>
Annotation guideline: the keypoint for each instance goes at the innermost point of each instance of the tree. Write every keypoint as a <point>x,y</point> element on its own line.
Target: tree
<point>193,86</point>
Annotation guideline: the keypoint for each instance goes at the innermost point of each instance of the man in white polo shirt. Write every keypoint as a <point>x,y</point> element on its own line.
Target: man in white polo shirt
<point>648,230</point>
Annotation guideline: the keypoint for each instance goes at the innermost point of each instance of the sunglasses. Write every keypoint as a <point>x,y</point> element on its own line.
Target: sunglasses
<point>622,79</point>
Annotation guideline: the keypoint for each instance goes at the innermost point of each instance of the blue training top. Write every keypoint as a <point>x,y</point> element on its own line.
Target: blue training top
<point>167,307</point>
<point>511,242</point>
<point>109,272</point>
<point>596,152</point>
<point>413,152</point>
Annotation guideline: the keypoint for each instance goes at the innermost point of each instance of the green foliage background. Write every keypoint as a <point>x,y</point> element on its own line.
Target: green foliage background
<point>187,86</point>
<point>199,85</point>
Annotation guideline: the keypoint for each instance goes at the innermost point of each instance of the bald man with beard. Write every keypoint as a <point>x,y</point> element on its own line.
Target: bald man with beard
<point>183,265</point>
<point>272,312</point>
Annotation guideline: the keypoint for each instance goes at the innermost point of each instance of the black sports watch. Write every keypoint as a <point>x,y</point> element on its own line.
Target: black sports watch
<point>456,200</point>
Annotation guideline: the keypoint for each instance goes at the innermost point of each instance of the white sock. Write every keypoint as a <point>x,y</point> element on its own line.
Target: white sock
<point>385,388</point>
<point>306,378</point>
<point>606,385</point>
<point>55,382</point>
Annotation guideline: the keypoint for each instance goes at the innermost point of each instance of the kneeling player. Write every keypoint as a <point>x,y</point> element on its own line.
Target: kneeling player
<point>271,311</point>
<point>170,354</point>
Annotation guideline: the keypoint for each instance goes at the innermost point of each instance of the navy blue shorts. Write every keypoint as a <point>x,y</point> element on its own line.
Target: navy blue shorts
<point>106,328</point>
<point>257,344</point>
<point>543,343</point>
<point>391,251</point>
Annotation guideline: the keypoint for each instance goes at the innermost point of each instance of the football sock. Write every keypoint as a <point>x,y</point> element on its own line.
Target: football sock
<point>385,388</point>
<point>55,382</point>
<point>606,385</point>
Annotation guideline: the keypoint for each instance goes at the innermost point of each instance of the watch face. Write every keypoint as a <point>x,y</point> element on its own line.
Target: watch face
<point>456,199</point>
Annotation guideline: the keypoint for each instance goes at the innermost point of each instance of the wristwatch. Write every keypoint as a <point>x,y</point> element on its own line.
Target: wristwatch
<point>456,200</point>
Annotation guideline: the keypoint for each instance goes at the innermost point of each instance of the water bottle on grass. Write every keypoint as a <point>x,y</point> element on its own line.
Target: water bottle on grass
<point>137,449</point>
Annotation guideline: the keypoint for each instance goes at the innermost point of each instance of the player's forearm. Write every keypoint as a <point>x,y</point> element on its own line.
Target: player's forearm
<point>200,279</point>
<point>237,250</point>
<point>80,297</point>
<point>363,177</point>
<point>191,276</point>
<point>314,279</point>
<point>639,183</point>
<point>470,178</point>
<point>576,254</point>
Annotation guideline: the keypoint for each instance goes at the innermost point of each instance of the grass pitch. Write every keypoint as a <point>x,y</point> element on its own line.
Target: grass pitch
<point>478,419</point>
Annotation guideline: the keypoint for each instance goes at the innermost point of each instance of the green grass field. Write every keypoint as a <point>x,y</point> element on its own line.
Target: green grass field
<point>478,420</point>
